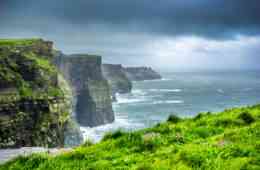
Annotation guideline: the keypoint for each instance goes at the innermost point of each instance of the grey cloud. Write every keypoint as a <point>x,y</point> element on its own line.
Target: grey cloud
<point>121,30</point>
<point>212,19</point>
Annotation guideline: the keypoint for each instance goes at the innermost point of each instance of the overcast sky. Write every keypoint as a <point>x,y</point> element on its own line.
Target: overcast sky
<point>165,34</point>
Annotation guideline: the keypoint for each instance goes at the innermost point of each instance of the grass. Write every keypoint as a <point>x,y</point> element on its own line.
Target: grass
<point>27,71</point>
<point>222,141</point>
<point>17,42</point>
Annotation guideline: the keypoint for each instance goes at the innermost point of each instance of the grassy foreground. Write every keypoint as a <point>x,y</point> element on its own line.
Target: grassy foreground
<point>225,141</point>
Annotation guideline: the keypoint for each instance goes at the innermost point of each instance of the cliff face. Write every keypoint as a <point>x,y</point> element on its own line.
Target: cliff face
<point>91,89</point>
<point>117,78</point>
<point>35,101</point>
<point>141,73</point>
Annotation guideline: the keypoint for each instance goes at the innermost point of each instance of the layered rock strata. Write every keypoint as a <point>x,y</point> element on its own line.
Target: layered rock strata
<point>91,89</point>
<point>35,101</point>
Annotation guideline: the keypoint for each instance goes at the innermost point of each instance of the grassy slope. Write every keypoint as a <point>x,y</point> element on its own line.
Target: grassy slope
<point>15,42</point>
<point>228,140</point>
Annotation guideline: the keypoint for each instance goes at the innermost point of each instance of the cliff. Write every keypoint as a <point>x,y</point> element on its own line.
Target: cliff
<point>35,101</point>
<point>226,140</point>
<point>117,78</point>
<point>141,73</point>
<point>91,89</point>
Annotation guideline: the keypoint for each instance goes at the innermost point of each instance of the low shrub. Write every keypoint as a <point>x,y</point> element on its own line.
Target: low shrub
<point>173,119</point>
<point>202,132</point>
<point>246,117</point>
<point>113,135</point>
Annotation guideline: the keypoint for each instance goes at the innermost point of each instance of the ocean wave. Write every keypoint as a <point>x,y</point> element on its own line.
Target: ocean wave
<point>166,79</point>
<point>122,100</point>
<point>95,134</point>
<point>165,90</point>
<point>136,96</point>
<point>156,80</point>
<point>168,102</point>
<point>138,92</point>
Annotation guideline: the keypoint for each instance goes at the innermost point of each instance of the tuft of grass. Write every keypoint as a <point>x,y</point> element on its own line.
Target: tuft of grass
<point>87,143</point>
<point>18,42</point>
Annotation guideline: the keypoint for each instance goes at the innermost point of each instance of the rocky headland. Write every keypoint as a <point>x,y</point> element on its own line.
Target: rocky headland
<point>44,93</point>
<point>117,78</point>
<point>141,73</point>
<point>35,100</point>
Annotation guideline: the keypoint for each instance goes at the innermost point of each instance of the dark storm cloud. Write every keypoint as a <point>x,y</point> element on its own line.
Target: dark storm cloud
<point>165,34</point>
<point>212,19</point>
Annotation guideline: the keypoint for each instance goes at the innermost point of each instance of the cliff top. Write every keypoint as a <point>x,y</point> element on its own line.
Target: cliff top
<point>25,67</point>
<point>139,68</point>
<point>84,56</point>
<point>113,65</point>
<point>227,140</point>
<point>19,42</point>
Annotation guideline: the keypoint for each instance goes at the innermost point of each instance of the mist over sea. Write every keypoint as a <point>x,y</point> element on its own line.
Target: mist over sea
<point>182,93</point>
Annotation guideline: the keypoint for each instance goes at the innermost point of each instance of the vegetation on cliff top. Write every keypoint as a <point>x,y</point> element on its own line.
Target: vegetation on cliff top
<point>227,140</point>
<point>35,100</point>
<point>18,42</point>
<point>29,73</point>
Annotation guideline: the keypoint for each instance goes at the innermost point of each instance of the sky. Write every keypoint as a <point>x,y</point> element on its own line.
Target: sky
<point>164,34</point>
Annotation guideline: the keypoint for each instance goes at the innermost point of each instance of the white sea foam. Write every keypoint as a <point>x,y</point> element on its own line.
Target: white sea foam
<point>156,80</point>
<point>166,79</point>
<point>168,102</point>
<point>122,100</point>
<point>136,96</point>
<point>138,92</point>
<point>166,90</point>
<point>95,134</point>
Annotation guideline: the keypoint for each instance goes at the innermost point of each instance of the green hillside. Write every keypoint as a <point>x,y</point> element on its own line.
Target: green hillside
<point>229,140</point>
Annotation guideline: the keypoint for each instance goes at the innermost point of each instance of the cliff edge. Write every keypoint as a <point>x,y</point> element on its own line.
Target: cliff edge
<point>35,101</point>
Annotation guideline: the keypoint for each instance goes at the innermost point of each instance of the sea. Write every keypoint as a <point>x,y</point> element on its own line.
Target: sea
<point>184,94</point>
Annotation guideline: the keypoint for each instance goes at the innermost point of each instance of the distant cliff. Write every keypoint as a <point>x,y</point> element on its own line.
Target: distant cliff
<point>35,101</point>
<point>141,73</point>
<point>117,78</point>
<point>91,89</point>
